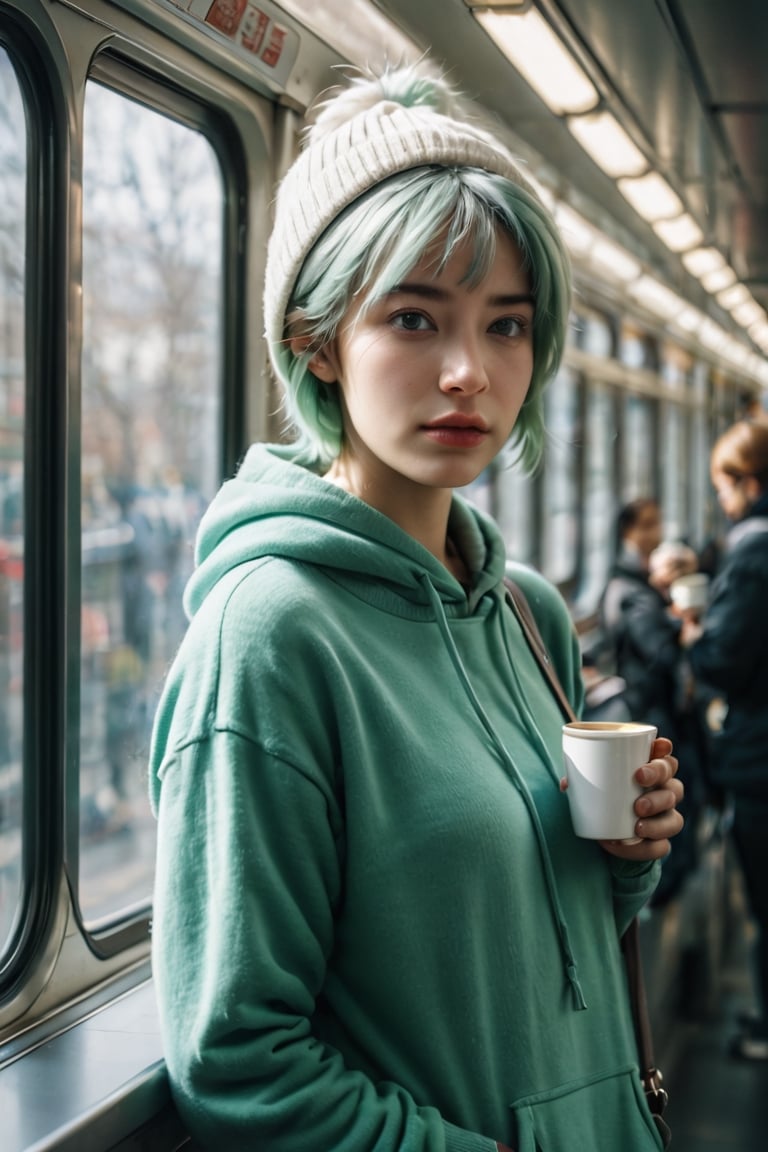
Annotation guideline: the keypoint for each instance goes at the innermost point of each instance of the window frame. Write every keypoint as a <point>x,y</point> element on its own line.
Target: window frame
<point>239,125</point>
<point>126,78</point>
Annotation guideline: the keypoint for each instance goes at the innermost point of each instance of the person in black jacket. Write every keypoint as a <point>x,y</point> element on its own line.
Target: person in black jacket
<point>729,649</point>
<point>641,633</point>
<point>643,638</point>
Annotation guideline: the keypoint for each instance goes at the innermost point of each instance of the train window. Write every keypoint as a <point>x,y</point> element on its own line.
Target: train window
<point>636,348</point>
<point>13,190</point>
<point>561,494</point>
<point>599,489</point>
<point>592,332</point>
<point>700,527</point>
<point>676,372</point>
<point>153,204</point>
<point>674,471</point>
<point>514,512</point>
<point>638,448</point>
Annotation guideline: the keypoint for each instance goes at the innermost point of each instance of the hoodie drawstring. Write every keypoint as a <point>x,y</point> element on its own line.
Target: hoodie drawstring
<point>554,896</point>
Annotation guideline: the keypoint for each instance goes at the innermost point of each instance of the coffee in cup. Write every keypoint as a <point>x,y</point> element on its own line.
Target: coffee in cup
<point>601,759</point>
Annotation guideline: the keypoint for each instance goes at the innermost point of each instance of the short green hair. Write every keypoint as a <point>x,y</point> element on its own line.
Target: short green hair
<point>371,246</point>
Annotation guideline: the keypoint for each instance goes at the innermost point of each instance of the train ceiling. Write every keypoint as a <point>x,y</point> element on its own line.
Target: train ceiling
<point>688,81</point>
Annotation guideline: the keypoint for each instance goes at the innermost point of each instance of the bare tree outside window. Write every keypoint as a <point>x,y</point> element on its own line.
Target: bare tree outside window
<point>152,253</point>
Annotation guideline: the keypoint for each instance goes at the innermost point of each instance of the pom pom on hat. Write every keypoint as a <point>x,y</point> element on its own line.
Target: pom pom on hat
<point>412,87</point>
<point>376,127</point>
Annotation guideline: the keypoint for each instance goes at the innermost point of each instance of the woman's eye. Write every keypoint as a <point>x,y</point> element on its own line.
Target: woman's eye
<point>509,326</point>
<point>411,321</point>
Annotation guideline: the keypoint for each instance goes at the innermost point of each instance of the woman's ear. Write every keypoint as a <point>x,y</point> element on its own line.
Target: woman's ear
<point>322,363</point>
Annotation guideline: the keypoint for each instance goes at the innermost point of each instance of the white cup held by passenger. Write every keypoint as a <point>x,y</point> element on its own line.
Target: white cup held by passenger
<point>601,759</point>
<point>690,592</point>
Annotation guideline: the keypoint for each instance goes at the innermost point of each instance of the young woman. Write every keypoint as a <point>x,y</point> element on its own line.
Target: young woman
<point>374,927</point>
<point>730,652</point>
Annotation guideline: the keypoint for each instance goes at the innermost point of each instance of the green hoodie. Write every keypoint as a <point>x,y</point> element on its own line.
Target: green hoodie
<point>374,928</point>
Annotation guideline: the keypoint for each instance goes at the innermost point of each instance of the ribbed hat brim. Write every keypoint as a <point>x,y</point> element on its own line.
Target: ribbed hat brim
<point>333,172</point>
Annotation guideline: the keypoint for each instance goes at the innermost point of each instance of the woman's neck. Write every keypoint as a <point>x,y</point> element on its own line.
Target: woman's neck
<point>419,510</point>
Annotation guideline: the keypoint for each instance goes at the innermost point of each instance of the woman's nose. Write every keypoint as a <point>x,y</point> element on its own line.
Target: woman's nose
<point>463,368</point>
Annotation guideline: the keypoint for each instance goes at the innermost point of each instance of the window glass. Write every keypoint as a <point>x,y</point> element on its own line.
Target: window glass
<point>636,348</point>
<point>674,472</point>
<point>598,338</point>
<point>701,493</point>
<point>676,372</point>
<point>514,511</point>
<point>13,181</point>
<point>561,488</point>
<point>638,448</point>
<point>600,487</point>
<point>152,281</point>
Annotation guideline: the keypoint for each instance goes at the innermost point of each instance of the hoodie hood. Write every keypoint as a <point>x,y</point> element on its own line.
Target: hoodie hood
<point>273,507</point>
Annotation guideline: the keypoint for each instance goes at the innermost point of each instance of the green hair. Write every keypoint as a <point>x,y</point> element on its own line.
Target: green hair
<point>376,241</point>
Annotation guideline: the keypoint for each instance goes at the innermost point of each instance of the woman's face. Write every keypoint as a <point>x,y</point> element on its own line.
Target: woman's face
<point>646,533</point>
<point>432,377</point>
<point>736,493</point>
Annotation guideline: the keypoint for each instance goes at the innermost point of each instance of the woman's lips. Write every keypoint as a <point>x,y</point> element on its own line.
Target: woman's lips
<point>457,431</point>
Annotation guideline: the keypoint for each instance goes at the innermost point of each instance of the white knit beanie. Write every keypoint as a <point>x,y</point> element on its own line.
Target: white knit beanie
<point>372,130</point>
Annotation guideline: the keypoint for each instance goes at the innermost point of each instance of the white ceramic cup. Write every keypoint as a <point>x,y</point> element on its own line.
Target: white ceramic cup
<point>690,591</point>
<point>601,759</point>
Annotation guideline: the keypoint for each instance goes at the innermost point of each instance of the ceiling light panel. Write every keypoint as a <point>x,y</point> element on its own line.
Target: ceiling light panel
<point>748,313</point>
<point>657,297</point>
<point>651,197</point>
<point>541,59</point>
<point>718,279</point>
<point>614,260</point>
<point>604,139</point>
<point>702,261</point>
<point>733,296</point>
<point>678,234</point>
<point>579,236</point>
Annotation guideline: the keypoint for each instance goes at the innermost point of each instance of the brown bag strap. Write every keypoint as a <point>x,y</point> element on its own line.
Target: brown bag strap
<point>522,610</point>
<point>630,941</point>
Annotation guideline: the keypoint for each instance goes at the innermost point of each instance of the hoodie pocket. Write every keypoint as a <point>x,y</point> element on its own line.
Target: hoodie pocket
<point>602,1113</point>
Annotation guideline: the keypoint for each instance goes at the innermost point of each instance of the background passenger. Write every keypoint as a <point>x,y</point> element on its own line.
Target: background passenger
<point>374,927</point>
<point>642,636</point>
<point>729,650</point>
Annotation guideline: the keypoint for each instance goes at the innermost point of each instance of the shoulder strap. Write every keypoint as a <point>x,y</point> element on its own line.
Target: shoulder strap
<point>522,609</point>
<point>630,942</point>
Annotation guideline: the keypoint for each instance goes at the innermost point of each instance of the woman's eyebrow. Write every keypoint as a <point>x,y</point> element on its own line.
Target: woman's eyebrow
<point>432,292</point>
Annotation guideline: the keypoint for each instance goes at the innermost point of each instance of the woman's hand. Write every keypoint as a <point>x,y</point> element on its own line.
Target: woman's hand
<point>658,818</point>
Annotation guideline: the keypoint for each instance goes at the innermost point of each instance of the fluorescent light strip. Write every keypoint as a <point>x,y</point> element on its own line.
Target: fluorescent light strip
<point>657,297</point>
<point>541,59</point>
<point>614,261</point>
<point>712,336</point>
<point>651,197</point>
<point>579,236</point>
<point>678,234</point>
<point>604,139</point>
<point>732,297</point>
<point>702,261</point>
<point>690,319</point>
<point>718,279</point>
<point>748,313</point>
